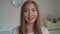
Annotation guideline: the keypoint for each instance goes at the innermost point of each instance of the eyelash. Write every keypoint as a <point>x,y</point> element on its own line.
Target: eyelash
<point>25,11</point>
<point>33,10</point>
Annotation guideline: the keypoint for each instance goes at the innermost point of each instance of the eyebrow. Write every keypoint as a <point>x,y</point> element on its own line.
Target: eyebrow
<point>28,9</point>
<point>34,8</point>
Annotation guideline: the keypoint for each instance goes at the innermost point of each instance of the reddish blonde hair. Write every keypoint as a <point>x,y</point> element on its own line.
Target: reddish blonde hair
<point>37,24</point>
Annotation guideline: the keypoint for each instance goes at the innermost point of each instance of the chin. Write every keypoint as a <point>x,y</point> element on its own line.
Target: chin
<point>31,22</point>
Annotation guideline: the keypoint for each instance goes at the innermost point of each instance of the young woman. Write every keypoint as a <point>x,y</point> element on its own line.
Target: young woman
<point>30,20</point>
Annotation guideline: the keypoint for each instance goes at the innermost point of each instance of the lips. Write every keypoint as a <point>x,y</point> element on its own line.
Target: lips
<point>30,18</point>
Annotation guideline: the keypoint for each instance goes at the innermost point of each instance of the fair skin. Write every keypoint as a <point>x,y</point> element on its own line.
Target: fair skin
<point>30,15</point>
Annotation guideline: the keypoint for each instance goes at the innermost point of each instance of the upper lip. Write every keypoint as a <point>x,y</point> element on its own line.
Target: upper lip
<point>30,17</point>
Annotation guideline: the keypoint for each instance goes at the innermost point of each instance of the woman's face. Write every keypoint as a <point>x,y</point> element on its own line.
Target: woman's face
<point>30,13</point>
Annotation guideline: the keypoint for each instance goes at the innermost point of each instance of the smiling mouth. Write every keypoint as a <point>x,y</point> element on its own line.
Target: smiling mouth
<point>30,18</point>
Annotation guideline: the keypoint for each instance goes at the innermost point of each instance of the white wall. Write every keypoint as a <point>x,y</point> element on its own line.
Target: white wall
<point>47,7</point>
<point>57,8</point>
<point>9,15</point>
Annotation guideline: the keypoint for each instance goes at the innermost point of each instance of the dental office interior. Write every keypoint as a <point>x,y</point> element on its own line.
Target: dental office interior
<point>10,15</point>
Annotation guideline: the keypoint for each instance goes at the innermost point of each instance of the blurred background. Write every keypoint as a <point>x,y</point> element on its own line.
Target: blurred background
<point>10,14</point>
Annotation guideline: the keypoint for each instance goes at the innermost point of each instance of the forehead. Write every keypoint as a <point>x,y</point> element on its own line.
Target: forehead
<point>30,5</point>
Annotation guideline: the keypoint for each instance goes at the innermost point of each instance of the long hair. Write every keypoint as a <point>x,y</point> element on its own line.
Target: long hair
<point>37,24</point>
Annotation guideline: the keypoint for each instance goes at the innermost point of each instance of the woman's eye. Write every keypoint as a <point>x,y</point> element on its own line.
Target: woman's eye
<point>34,10</point>
<point>25,11</point>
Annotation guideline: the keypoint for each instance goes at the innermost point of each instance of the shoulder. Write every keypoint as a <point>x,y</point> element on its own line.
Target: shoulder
<point>14,30</point>
<point>44,30</point>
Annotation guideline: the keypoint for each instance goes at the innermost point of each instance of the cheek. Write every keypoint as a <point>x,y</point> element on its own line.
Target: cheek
<point>35,14</point>
<point>25,15</point>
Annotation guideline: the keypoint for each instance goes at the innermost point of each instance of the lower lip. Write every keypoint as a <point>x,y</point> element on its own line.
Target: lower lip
<point>30,18</point>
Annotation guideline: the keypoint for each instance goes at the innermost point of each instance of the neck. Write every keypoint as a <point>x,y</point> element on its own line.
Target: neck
<point>30,27</point>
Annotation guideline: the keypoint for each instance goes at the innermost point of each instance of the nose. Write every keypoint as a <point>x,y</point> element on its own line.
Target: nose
<point>30,13</point>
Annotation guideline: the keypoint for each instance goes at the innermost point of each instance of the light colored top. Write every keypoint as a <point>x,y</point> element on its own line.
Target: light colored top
<point>44,31</point>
